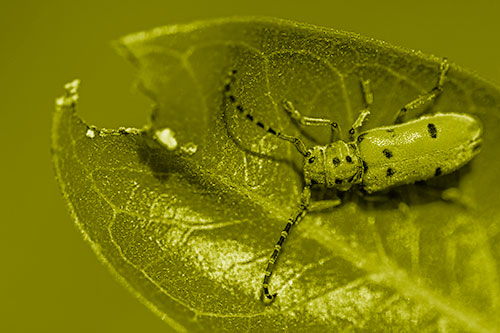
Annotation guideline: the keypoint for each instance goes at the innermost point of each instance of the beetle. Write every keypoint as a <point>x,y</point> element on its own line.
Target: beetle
<point>376,159</point>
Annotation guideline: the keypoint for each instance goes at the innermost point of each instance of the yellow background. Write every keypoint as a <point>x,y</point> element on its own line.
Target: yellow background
<point>50,279</point>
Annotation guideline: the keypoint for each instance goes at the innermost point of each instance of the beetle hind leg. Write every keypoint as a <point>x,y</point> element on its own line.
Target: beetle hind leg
<point>425,99</point>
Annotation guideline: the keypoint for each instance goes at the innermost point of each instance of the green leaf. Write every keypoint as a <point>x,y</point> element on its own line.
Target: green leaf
<point>188,228</point>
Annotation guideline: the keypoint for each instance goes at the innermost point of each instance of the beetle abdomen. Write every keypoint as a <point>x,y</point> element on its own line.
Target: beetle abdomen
<point>417,150</point>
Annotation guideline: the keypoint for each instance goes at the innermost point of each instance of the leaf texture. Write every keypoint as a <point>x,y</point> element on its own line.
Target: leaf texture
<point>189,230</point>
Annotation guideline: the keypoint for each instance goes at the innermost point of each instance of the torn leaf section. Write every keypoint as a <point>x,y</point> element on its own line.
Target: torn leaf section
<point>166,138</point>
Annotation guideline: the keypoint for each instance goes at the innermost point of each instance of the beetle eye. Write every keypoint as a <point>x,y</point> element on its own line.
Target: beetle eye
<point>311,160</point>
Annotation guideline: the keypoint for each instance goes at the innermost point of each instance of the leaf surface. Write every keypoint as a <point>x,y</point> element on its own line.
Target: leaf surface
<point>189,230</point>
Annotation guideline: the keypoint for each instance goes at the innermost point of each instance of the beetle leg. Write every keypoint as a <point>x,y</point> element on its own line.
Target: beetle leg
<point>324,204</point>
<point>368,99</point>
<point>228,95</point>
<point>308,121</point>
<point>425,99</point>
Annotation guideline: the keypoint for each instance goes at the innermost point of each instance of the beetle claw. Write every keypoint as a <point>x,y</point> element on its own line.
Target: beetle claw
<point>266,297</point>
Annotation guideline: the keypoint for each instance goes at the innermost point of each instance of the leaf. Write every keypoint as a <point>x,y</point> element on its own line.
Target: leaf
<point>189,229</point>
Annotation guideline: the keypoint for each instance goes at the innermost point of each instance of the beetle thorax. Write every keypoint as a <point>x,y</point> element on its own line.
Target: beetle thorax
<point>336,165</point>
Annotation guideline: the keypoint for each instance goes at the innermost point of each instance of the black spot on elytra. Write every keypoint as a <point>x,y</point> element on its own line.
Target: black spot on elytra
<point>431,128</point>
<point>438,171</point>
<point>336,161</point>
<point>390,172</point>
<point>270,130</point>
<point>239,108</point>
<point>387,153</point>
<point>338,181</point>
<point>348,159</point>
<point>232,99</point>
<point>365,167</point>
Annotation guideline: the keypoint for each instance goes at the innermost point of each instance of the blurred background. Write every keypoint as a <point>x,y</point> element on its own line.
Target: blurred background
<point>50,279</point>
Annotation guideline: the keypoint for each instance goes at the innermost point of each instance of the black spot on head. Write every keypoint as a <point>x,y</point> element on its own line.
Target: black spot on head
<point>438,171</point>
<point>431,128</point>
<point>311,160</point>
<point>336,161</point>
<point>390,172</point>
<point>348,159</point>
<point>387,153</point>
<point>361,137</point>
<point>234,71</point>
<point>365,167</point>
<point>338,181</point>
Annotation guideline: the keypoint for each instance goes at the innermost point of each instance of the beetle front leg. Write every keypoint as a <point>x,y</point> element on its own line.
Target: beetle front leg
<point>309,121</point>
<point>368,99</point>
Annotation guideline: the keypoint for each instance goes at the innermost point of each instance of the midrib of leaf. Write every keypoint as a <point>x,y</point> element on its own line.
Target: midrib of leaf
<point>384,271</point>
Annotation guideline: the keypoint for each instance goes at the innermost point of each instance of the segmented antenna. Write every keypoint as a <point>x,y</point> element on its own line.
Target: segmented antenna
<point>299,144</point>
<point>305,198</point>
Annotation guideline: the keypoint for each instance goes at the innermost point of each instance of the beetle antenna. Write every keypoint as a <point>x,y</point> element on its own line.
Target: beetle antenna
<point>298,143</point>
<point>305,199</point>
